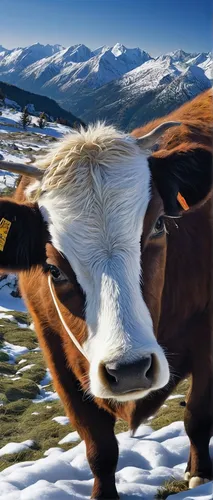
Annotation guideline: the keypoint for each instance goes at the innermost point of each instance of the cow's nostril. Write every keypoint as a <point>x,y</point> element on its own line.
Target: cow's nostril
<point>111,374</point>
<point>123,378</point>
<point>149,374</point>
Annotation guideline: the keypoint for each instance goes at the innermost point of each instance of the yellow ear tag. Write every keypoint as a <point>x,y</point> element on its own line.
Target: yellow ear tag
<point>4,230</point>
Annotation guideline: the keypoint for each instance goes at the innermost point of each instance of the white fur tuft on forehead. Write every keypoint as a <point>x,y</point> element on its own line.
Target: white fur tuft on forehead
<point>99,145</point>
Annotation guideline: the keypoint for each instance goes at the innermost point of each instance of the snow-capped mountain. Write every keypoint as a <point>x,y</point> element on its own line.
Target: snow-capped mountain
<point>180,56</point>
<point>39,73</point>
<point>97,71</point>
<point>207,66</point>
<point>131,57</point>
<point>3,52</point>
<point>170,96</point>
<point>149,75</point>
<point>151,90</point>
<point>16,60</point>
<point>44,70</point>
<point>108,81</point>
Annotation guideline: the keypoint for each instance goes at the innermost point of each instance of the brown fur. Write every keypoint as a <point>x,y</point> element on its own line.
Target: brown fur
<point>177,290</point>
<point>197,115</point>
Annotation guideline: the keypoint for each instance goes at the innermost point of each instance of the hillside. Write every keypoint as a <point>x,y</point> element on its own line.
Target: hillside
<point>41,103</point>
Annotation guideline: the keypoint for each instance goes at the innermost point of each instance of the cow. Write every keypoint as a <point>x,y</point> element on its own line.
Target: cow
<point>112,242</point>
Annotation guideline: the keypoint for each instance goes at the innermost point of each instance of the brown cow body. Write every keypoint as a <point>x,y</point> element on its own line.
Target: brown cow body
<point>181,320</point>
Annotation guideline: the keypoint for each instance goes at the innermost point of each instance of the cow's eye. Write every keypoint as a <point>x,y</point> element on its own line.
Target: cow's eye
<point>56,274</point>
<point>159,227</point>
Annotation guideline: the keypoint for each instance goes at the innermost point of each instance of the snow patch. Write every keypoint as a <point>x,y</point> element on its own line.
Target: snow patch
<point>61,420</point>
<point>46,396</point>
<point>14,351</point>
<point>25,368</point>
<point>55,451</point>
<point>7,301</point>
<point>22,361</point>
<point>144,464</point>
<point>16,447</point>
<point>72,437</point>
<point>176,396</point>
<point>47,378</point>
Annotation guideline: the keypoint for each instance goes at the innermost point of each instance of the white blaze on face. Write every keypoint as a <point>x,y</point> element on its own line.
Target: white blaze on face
<point>96,214</point>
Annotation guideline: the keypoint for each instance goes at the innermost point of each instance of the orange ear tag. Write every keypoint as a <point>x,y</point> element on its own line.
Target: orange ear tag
<point>182,202</point>
<point>5,226</point>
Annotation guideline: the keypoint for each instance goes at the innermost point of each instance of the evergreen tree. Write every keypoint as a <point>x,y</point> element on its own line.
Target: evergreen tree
<point>2,96</point>
<point>25,118</point>
<point>42,120</point>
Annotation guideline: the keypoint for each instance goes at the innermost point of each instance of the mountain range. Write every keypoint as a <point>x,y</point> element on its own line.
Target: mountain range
<point>123,85</point>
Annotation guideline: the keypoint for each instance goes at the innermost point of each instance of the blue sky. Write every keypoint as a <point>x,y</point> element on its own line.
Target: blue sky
<point>156,26</point>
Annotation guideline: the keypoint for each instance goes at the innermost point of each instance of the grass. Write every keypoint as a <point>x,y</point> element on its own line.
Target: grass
<point>17,389</point>
<point>17,419</point>
<point>10,332</point>
<point>173,411</point>
<point>38,370</point>
<point>17,423</point>
<point>21,317</point>
<point>6,368</point>
<point>170,488</point>
<point>121,426</point>
<point>3,356</point>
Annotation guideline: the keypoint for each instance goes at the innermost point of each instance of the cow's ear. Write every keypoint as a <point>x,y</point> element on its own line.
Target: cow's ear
<point>183,178</point>
<point>23,235</point>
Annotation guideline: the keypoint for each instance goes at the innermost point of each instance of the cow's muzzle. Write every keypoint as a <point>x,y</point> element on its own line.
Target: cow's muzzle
<point>130,377</point>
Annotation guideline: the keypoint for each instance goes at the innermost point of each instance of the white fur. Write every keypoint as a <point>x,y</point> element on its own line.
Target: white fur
<point>187,476</point>
<point>95,194</point>
<point>197,481</point>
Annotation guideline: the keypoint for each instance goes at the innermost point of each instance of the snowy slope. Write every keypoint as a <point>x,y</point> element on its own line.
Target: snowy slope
<point>145,462</point>
<point>3,52</point>
<point>16,150</point>
<point>207,66</point>
<point>184,60</point>
<point>10,122</point>
<point>192,81</point>
<point>149,75</point>
<point>35,103</point>
<point>180,55</point>
<point>17,145</point>
<point>132,58</point>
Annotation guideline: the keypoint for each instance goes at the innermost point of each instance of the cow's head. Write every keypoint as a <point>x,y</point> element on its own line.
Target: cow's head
<point>99,198</point>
